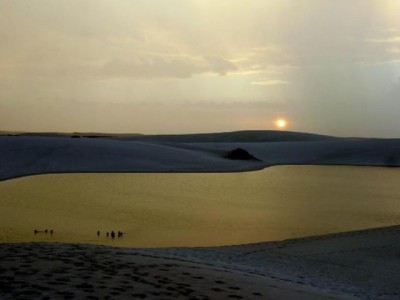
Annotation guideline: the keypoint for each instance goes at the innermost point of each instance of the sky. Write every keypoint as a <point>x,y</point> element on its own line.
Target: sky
<point>186,66</point>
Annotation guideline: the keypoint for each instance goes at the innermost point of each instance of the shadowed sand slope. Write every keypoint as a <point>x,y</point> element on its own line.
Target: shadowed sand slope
<point>354,265</point>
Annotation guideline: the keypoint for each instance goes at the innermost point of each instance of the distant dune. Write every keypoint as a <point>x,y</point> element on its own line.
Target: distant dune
<point>57,134</point>
<point>29,154</point>
<point>246,136</point>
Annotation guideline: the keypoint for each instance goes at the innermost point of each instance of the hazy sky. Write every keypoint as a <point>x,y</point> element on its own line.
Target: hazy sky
<point>178,66</point>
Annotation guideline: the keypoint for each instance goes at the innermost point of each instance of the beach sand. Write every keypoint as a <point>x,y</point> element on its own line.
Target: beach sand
<point>354,265</point>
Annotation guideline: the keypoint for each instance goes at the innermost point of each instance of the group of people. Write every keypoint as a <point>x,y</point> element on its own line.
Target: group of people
<point>46,231</point>
<point>112,234</point>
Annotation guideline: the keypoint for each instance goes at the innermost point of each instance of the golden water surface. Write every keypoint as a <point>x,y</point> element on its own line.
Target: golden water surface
<point>199,209</point>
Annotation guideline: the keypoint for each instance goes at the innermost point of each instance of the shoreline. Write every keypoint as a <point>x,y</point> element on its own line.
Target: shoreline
<point>224,171</point>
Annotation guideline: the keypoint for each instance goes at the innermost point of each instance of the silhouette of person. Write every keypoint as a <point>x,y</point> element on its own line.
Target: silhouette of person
<point>35,231</point>
<point>51,231</point>
<point>107,234</point>
<point>98,232</point>
<point>112,234</point>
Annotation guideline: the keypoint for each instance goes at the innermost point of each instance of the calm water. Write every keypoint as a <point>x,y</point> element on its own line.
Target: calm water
<point>199,209</point>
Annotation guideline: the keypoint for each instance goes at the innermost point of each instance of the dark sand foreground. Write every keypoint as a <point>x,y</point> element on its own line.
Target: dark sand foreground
<point>355,265</point>
<point>36,271</point>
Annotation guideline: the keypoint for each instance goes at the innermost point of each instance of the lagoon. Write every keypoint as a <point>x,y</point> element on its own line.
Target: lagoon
<point>199,209</point>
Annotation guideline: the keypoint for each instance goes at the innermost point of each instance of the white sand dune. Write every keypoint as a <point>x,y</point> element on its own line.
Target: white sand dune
<point>26,155</point>
<point>355,265</point>
<point>363,264</point>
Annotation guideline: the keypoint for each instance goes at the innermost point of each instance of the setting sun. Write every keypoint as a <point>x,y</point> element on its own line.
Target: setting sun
<point>281,123</point>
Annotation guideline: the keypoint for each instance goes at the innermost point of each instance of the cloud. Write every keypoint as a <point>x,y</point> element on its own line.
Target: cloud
<point>159,67</point>
<point>134,39</point>
<point>219,65</point>
<point>150,68</point>
<point>394,50</point>
<point>144,68</point>
<point>268,58</point>
<point>389,40</point>
<point>270,82</point>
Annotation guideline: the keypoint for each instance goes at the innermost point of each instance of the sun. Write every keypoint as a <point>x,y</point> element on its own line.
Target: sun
<point>281,123</point>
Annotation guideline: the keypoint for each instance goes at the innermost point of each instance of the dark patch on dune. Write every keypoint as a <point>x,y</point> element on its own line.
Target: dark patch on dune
<point>240,154</point>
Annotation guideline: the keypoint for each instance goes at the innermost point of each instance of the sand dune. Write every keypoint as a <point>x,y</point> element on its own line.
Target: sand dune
<point>26,155</point>
<point>83,272</point>
<point>354,265</point>
<point>245,136</point>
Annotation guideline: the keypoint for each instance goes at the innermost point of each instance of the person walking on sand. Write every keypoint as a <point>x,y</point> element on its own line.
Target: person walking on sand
<point>112,234</point>
<point>51,231</point>
<point>98,233</point>
<point>35,231</point>
<point>107,234</point>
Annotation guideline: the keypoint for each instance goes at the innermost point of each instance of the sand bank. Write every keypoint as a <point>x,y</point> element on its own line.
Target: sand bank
<point>354,265</point>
